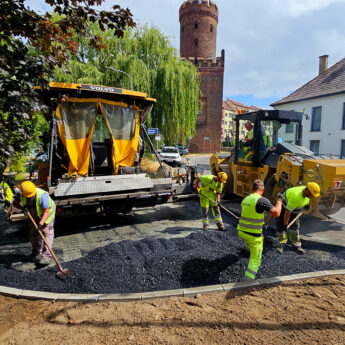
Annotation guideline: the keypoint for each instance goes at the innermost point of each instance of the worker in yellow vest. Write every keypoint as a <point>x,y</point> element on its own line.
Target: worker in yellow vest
<point>295,200</point>
<point>42,208</point>
<point>251,224</point>
<point>6,194</point>
<point>210,190</point>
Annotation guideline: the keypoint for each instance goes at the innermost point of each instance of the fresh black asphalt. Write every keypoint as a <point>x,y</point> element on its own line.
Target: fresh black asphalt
<point>202,258</point>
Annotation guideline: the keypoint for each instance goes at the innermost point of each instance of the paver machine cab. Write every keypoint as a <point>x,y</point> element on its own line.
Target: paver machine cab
<point>273,154</point>
<point>96,144</point>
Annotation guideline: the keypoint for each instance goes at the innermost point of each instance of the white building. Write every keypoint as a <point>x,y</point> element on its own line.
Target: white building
<point>323,99</point>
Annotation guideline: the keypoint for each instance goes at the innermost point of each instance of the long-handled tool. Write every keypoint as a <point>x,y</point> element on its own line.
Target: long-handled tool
<point>221,206</point>
<point>273,240</point>
<point>294,220</point>
<point>63,272</point>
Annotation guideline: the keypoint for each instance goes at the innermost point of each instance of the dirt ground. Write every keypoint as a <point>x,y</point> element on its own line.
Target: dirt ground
<point>302,312</point>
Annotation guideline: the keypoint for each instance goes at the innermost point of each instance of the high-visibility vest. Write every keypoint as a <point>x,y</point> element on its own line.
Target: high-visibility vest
<point>210,187</point>
<point>251,221</point>
<point>295,199</point>
<point>52,207</point>
<point>7,191</point>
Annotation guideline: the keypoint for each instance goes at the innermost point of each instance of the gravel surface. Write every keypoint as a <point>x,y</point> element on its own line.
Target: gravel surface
<point>202,258</point>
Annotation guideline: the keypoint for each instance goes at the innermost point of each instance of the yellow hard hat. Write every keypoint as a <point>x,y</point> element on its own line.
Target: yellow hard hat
<point>222,176</point>
<point>314,189</point>
<point>28,189</point>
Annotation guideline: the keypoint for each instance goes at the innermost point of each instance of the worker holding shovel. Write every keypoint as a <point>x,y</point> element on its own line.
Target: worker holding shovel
<point>295,199</point>
<point>210,191</point>
<point>251,224</point>
<point>42,207</point>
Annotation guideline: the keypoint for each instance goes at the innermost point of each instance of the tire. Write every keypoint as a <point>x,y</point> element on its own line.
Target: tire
<point>269,188</point>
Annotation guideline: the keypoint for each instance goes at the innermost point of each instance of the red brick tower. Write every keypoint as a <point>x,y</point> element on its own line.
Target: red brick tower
<point>198,38</point>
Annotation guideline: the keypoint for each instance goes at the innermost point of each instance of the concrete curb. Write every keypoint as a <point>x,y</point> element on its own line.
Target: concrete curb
<point>190,292</point>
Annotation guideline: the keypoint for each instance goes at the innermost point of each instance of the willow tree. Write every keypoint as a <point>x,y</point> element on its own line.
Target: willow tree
<point>51,41</point>
<point>153,64</point>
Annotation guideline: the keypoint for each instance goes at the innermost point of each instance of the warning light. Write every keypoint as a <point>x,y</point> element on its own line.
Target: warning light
<point>59,209</point>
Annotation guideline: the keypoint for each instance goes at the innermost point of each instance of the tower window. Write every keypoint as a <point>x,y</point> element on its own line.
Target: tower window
<point>211,28</point>
<point>196,25</point>
<point>196,43</point>
<point>182,28</point>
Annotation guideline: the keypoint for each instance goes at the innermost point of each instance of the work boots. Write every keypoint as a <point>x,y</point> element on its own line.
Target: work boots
<point>34,256</point>
<point>280,250</point>
<point>44,261</point>
<point>221,227</point>
<point>205,226</point>
<point>300,250</point>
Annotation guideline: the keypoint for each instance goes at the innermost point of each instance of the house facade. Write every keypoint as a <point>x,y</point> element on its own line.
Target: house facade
<point>230,109</point>
<point>323,101</point>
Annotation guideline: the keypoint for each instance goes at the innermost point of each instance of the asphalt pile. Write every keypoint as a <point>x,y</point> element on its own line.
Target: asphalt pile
<point>202,258</point>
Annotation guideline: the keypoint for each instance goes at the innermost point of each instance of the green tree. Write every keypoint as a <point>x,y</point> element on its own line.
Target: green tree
<point>154,65</point>
<point>52,41</point>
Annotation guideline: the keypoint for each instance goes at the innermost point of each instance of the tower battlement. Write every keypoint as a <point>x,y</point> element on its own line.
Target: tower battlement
<point>207,6</point>
<point>209,63</point>
<point>209,3</point>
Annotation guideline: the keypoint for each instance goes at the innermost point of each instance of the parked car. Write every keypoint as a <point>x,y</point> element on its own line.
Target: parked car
<point>182,149</point>
<point>171,155</point>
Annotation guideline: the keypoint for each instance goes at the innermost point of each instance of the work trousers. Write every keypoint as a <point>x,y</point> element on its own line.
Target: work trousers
<point>216,215</point>
<point>255,246</point>
<point>38,245</point>
<point>292,235</point>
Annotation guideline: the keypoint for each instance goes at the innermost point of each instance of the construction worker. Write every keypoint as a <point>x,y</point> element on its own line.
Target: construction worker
<point>295,200</point>
<point>6,194</point>
<point>210,191</point>
<point>250,134</point>
<point>251,224</point>
<point>42,208</point>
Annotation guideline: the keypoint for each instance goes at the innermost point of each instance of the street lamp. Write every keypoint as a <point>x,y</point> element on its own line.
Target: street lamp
<point>117,70</point>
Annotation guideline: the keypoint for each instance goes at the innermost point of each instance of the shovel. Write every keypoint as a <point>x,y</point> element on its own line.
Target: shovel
<point>221,206</point>
<point>273,240</point>
<point>63,272</point>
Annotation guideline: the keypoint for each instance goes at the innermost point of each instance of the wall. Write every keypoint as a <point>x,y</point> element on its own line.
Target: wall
<point>331,133</point>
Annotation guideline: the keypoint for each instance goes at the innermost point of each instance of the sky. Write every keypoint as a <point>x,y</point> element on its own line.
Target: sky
<point>272,47</point>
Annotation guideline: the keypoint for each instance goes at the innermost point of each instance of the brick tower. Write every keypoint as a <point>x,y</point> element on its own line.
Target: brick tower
<point>198,39</point>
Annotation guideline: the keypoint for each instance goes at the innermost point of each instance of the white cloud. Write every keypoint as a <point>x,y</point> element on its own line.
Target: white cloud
<point>272,46</point>
<point>295,8</point>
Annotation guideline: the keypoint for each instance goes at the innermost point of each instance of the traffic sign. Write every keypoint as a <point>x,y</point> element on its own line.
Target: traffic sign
<point>158,138</point>
<point>152,131</point>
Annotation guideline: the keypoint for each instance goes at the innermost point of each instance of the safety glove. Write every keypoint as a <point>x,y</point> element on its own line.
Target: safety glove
<point>280,196</point>
<point>40,227</point>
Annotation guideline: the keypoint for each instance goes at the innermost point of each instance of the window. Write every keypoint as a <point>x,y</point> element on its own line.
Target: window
<point>289,128</point>
<point>196,43</point>
<point>182,28</point>
<point>343,126</point>
<point>196,25</point>
<point>315,146</point>
<point>226,123</point>
<point>316,119</point>
<point>342,152</point>
<point>211,28</point>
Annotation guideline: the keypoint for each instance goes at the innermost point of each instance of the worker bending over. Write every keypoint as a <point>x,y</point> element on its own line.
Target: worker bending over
<point>251,224</point>
<point>210,191</point>
<point>42,209</point>
<point>295,200</point>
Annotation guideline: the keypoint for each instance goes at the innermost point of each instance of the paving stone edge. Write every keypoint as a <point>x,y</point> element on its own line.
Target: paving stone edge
<point>188,292</point>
